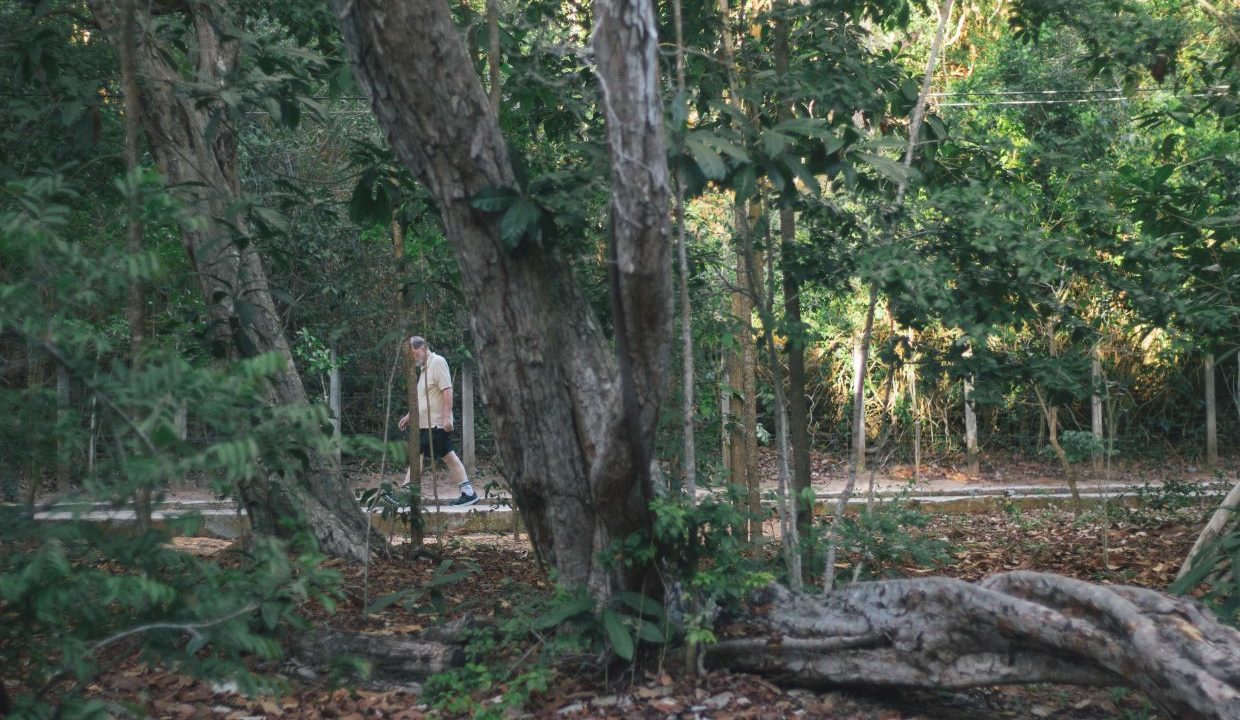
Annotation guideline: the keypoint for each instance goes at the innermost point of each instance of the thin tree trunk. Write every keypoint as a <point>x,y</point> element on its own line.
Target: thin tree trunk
<point>970,429</point>
<point>135,313</point>
<point>1095,376</point>
<point>749,370</point>
<point>860,360</point>
<point>787,509</point>
<point>64,464</point>
<point>1051,412</point>
<point>914,410</point>
<point>92,442</point>
<point>33,470</point>
<point>413,448</point>
<point>1211,414</point>
<point>333,398</point>
<point>688,374</point>
<point>914,132</point>
<point>180,421</point>
<point>742,366</point>
<point>725,414</point>
<point>798,411</point>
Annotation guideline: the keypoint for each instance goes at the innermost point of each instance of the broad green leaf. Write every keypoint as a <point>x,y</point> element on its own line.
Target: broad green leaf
<point>562,612</point>
<point>708,161</point>
<point>887,167</point>
<point>649,632</point>
<point>774,142</point>
<point>621,640</point>
<point>640,603</point>
<point>494,199</point>
<point>519,221</point>
<point>745,183</point>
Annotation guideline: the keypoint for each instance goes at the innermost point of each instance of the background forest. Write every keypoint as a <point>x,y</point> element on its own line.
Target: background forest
<point>965,234</point>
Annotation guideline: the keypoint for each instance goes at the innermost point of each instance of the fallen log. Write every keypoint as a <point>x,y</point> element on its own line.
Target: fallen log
<point>1015,628</point>
<point>394,660</point>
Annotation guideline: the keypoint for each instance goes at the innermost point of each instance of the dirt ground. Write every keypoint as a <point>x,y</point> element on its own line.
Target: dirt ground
<point>1139,548</point>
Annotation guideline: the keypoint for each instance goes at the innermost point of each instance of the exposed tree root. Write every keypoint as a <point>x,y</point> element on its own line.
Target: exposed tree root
<point>1020,627</point>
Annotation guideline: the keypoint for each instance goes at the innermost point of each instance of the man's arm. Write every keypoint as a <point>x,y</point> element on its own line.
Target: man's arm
<point>446,413</point>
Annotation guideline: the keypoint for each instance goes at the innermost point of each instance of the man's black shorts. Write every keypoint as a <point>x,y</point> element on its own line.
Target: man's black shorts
<point>442,442</point>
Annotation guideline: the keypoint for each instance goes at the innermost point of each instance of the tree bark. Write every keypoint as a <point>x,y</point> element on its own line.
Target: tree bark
<point>1020,627</point>
<point>1224,517</point>
<point>688,375</point>
<point>970,429</point>
<point>201,167</point>
<point>559,413</point>
<point>798,410</point>
<point>395,660</point>
<point>1211,413</point>
<point>1095,404</point>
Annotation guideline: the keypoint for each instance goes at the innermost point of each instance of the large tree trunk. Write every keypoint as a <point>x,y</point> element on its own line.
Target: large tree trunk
<point>573,452</point>
<point>201,166</point>
<point>1019,627</point>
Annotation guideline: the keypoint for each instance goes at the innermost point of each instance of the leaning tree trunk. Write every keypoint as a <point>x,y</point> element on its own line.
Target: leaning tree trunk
<point>201,167</point>
<point>576,451</point>
<point>1020,627</point>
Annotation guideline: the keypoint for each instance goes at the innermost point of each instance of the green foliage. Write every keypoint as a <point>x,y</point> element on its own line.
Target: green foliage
<point>702,543</point>
<point>1080,445</point>
<point>73,593</point>
<point>70,592</point>
<point>567,624</point>
<point>432,590</point>
<point>890,536</point>
<point>1212,576</point>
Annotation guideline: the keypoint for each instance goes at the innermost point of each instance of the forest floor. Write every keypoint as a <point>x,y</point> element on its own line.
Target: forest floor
<point>1140,544</point>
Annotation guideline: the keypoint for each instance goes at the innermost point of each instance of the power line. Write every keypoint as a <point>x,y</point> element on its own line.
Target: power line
<point>1219,89</point>
<point>1073,101</point>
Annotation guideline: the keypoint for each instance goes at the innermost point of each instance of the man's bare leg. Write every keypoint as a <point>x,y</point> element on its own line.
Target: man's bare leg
<point>456,471</point>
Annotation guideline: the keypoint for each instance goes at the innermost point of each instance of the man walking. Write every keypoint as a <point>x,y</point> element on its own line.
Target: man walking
<point>435,423</point>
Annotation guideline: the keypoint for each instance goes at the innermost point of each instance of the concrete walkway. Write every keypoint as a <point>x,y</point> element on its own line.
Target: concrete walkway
<point>222,518</point>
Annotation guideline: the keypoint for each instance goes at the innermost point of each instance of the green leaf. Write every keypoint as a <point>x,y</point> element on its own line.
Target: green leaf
<point>680,110</point>
<point>807,127</point>
<point>621,640</point>
<point>369,205</point>
<point>1160,176</point>
<point>745,183</point>
<point>640,603</point>
<point>774,142</point>
<point>708,161</point>
<point>888,168</point>
<point>494,199</point>
<point>649,632</point>
<point>393,598</point>
<point>519,221</point>
<point>803,174</point>
<point>271,614</point>
<point>562,612</point>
